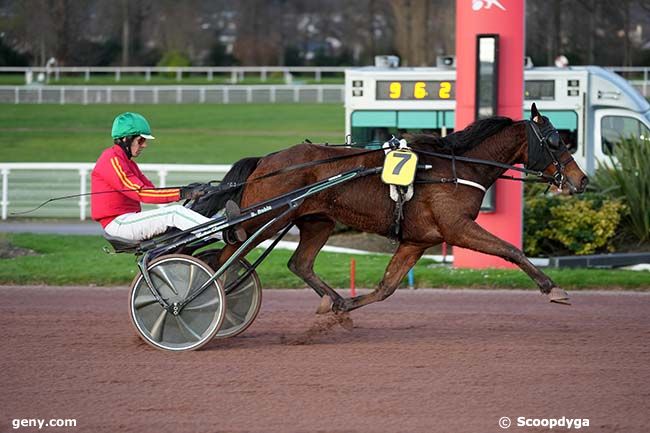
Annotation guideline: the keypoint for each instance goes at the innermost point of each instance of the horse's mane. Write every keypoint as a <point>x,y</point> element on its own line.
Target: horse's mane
<point>464,140</point>
<point>238,173</point>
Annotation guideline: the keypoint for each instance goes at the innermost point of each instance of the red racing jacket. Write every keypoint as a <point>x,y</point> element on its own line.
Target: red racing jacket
<point>115,172</point>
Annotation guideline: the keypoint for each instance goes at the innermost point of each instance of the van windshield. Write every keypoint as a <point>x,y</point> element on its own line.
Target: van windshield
<point>614,129</point>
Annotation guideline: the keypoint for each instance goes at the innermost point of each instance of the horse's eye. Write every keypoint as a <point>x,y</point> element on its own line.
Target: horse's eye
<point>554,140</point>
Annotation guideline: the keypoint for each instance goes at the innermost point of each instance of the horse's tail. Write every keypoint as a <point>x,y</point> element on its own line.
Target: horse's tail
<point>239,172</point>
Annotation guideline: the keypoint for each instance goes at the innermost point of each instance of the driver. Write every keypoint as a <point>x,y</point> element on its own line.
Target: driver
<point>119,211</point>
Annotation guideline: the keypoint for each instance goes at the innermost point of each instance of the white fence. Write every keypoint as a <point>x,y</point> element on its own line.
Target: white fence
<point>26,185</point>
<point>229,94</point>
<point>236,73</point>
<point>637,74</point>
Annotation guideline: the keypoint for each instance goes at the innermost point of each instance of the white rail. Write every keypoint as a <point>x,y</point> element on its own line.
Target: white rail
<point>225,94</point>
<point>33,183</point>
<point>236,73</point>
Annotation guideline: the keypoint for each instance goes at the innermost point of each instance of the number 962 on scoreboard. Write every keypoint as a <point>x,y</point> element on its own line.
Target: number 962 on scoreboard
<point>415,90</point>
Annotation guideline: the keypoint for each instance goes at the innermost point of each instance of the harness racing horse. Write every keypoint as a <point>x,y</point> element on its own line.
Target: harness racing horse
<point>437,212</point>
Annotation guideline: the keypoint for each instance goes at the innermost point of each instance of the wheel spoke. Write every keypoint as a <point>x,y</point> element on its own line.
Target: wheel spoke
<point>242,301</point>
<point>190,282</point>
<point>157,328</point>
<point>160,270</point>
<point>206,304</point>
<point>143,301</point>
<point>240,290</point>
<point>185,329</point>
<point>225,278</point>
<point>234,318</point>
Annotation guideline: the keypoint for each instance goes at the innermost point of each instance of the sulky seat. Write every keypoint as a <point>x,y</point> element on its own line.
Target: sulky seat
<point>121,245</point>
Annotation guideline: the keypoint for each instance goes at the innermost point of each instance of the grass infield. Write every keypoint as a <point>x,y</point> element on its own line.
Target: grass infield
<point>79,260</point>
<point>185,134</point>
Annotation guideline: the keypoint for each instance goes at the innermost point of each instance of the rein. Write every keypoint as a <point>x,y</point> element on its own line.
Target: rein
<point>558,178</point>
<point>88,194</point>
<point>232,185</point>
<point>309,164</point>
<point>541,176</point>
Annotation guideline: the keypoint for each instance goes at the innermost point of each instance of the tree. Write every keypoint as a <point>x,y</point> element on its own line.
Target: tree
<point>258,39</point>
<point>423,29</point>
<point>11,57</point>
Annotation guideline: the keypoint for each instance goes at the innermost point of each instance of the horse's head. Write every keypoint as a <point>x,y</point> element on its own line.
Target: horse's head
<point>547,153</point>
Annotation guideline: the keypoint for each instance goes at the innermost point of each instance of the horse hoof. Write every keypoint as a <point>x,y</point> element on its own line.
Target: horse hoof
<point>345,321</point>
<point>559,296</point>
<point>325,305</point>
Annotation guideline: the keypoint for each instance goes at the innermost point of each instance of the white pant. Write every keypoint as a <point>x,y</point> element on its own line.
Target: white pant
<point>138,226</point>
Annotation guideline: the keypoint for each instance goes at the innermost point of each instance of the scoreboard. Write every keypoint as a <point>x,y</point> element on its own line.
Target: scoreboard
<point>381,102</point>
<point>414,90</point>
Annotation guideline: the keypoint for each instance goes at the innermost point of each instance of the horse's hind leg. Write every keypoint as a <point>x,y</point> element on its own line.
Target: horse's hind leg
<point>314,232</point>
<point>468,234</point>
<point>404,259</point>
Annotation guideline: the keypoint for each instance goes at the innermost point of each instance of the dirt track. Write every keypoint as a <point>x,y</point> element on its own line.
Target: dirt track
<point>422,361</point>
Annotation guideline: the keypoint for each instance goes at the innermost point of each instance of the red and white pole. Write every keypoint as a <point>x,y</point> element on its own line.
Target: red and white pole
<point>353,275</point>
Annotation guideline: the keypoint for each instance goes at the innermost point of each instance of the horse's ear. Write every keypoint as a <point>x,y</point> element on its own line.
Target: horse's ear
<point>534,114</point>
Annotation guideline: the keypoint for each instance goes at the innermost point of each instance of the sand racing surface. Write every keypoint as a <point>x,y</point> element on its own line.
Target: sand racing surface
<point>421,361</point>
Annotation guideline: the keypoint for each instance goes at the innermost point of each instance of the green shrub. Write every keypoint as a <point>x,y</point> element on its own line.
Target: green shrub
<point>628,180</point>
<point>537,213</point>
<point>174,59</point>
<point>558,225</point>
<point>583,227</point>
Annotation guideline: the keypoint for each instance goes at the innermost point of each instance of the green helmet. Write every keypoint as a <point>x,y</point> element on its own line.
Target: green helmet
<point>127,124</point>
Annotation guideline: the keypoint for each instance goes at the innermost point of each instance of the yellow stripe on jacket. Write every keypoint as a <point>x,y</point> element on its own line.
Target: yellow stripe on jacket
<point>172,192</point>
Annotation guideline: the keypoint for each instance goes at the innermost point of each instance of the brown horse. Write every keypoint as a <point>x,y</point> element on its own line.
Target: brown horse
<point>436,213</point>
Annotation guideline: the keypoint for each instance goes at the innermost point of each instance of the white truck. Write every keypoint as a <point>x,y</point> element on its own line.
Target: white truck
<point>592,107</point>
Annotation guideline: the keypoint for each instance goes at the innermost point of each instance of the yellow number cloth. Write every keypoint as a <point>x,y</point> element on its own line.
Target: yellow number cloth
<point>399,167</point>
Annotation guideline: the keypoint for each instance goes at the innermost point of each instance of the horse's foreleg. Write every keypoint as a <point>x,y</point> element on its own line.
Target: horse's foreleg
<point>314,233</point>
<point>468,234</point>
<point>404,259</point>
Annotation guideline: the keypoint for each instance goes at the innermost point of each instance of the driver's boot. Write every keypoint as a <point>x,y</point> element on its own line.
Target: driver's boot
<point>236,234</point>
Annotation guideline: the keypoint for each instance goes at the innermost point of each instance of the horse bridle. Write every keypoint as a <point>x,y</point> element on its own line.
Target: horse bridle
<point>545,146</point>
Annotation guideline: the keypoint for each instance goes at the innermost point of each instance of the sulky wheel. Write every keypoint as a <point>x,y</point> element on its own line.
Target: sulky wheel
<point>175,276</point>
<point>242,302</point>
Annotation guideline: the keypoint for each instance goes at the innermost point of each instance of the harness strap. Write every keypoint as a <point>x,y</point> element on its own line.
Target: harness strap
<point>453,165</point>
<point>312,163</point>
<point>452,157</point>
<point>233,185</point>
<point>470,183</point>
<point>485,162</point>
<point>453,180</point>
<point>398,215</point>
<point>522,179</point>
